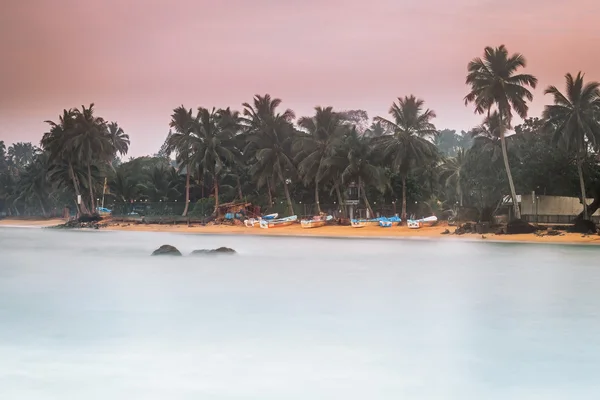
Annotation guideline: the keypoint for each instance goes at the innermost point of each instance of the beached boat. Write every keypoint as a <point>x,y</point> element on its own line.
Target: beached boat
<point>366,222</point>
<point>357,224</point>
<point>389,222</point>
<point>254,222</point>
<point>414,224</point>
<point>429,221</point>
<point>315,222</point>
<point>276,223</point>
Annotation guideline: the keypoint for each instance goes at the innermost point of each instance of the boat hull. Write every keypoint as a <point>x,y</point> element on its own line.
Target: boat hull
<point>312,224</point>
<point>278,223</point>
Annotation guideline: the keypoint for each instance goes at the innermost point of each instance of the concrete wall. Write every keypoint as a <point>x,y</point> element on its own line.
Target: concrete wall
<point>552,205</point>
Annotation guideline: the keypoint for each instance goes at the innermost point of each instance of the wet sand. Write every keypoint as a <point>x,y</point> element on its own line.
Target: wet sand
<point>373,232</point>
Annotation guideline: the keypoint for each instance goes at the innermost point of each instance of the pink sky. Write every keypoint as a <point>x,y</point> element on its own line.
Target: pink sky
<point>138,59</point>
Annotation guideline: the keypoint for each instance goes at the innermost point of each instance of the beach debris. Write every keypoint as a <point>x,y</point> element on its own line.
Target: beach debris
<point>166,250</point>
<point>583,226</point>
<point>446,232</point>
<point>220,250</point>
<point>518,226</point>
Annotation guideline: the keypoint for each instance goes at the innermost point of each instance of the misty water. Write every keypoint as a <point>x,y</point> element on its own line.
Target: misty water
<point>90,315</point>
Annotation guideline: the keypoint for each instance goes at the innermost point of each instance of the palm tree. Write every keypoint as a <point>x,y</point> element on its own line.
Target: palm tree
<point>58,143</point>
<point>355,161</point>
<point>119,140</point>
<point>33,185</point>
<point>407,147</point>
<point>269,140</point>
<point>183,123</point>
<point>453,171</point>
<point>91,143</point>
<point>494,83</point>
<point>323,134</point>
<point>213,144</point>
<point>574,119</point>
<point>487,137</point>
<point>21,154</point>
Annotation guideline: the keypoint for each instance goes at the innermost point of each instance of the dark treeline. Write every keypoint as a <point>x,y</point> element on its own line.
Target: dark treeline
<point>265,155</point>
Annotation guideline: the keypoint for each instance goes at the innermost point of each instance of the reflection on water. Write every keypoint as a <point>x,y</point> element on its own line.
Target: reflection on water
<point>90,315</point>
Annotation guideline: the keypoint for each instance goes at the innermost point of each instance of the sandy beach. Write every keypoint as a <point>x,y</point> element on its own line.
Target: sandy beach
<point>373,232</point>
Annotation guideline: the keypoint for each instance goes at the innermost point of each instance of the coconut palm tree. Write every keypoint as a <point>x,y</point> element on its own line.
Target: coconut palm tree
<point>453,171</point>
<point>21,154</point>
<point>269,136</point>
<point>91,143</point>
<point>495,83</point>
<point>408,146</point>
<point>323,133</point>
<point>487,137</point>
<point>574,119</point>
<point>58,143</point>
<point>213,144</point>
<point>118,139</point>
<point>183,124</point>
<point>355,159</point>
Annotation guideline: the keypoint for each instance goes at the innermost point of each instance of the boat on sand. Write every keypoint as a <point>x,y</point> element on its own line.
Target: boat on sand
<point>315,222</point>
<point>277,223</point>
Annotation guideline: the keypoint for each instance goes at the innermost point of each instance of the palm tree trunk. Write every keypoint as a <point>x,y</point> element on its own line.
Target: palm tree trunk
<point>317,196</point>
<point>288,198</point>
<point>269,190</point>
<point>340,199</point>
<point>513,192</point>
<point>239,187</point>
<point>75,187</point>
<point>403,215</point>
<point>43,209</point>
<point>364,196</point>
<point>187,192</point>
<point>216,184</point>
<point>91,187</point>
<point>582,186</point>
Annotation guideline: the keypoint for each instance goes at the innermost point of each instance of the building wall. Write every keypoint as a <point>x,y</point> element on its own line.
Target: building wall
<point>552,205</point>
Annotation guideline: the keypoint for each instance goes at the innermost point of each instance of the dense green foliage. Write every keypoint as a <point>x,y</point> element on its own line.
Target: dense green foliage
<point>266,156</point>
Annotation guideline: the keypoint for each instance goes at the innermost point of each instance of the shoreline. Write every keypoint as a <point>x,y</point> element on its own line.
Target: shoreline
<point>327,232</point>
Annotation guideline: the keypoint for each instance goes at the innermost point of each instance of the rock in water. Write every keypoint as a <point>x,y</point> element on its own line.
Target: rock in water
<point>166,250</point>
<point>220,250</point>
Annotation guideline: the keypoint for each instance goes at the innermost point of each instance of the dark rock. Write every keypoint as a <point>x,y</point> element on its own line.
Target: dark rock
<point>467,227</point>
<point>220,250</point>
<point>166,250</point>
<point>583,226</point>
<point>518,226</point>
<point>446,232</point>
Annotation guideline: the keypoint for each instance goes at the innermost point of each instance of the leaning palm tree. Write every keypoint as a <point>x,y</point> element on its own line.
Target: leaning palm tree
<point>322,134</point>
<point>269,136</point>
<point>574,119</point>
<point>58,143</point>
<point>495,83</point>
<point>408,146</point>
<point>183,123</point>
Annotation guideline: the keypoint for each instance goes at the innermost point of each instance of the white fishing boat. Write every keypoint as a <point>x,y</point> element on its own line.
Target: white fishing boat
<point>414,224</point>
<point>315,222</point>
<point>277,223</point>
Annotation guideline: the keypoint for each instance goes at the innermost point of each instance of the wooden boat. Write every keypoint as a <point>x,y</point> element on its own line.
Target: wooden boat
<point>429,221</point>
<point>389,222</point>
<point>414,224</point>
<point>315,222</point>
<point>357,224</point>
<point>366,222</point>
<point>276,223</point>
<point>254,222</point>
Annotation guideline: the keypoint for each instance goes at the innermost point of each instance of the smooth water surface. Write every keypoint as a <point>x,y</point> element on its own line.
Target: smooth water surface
<point>90,315</point>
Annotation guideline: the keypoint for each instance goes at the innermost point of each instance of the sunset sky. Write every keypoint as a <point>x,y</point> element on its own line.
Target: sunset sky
<point>138,59</point>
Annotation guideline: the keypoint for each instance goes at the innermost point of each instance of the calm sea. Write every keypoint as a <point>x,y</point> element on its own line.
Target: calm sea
<point>90,315</point>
